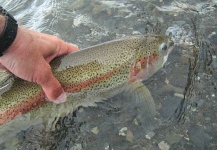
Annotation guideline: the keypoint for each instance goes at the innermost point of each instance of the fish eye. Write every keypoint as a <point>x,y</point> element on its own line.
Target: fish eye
<point>163,47</point>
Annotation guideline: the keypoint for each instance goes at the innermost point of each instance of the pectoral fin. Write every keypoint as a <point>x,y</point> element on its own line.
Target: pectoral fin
<point>145,104</point>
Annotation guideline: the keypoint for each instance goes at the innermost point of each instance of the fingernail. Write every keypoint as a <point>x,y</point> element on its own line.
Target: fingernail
<point>60,99</point>
<point>74,45</point>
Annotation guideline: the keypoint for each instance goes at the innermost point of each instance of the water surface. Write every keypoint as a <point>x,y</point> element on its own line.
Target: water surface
<point>184,90</point>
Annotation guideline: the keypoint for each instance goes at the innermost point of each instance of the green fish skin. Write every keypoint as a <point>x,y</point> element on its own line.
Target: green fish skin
<point>88,76</point>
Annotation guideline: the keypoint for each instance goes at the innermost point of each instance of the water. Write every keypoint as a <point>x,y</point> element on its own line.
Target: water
<point>184,90</point>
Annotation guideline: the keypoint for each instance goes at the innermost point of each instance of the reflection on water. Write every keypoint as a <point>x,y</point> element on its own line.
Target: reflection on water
<point>184,90</point>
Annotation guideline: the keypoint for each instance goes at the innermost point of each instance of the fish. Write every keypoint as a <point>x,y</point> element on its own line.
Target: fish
<point>88,76</point>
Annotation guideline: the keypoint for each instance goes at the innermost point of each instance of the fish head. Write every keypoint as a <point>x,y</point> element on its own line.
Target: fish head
<point>150,56</point>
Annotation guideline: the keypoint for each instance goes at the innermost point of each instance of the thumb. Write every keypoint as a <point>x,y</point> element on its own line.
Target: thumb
<point>50,85</point>
<point>53,90</point>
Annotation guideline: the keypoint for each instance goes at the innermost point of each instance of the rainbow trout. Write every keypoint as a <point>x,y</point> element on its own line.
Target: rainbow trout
<point>87,76</point>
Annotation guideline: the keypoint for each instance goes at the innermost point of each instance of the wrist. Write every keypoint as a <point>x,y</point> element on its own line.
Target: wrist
<point>13,46</point>
<point>23,38</point>
<point>9,30</point>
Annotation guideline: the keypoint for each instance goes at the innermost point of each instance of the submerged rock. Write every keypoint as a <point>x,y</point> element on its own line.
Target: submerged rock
<point>199,137</point>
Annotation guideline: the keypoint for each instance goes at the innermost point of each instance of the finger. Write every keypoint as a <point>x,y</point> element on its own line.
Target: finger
<point>54,91</point>
<point>50,85</point>
<point>66,48</point>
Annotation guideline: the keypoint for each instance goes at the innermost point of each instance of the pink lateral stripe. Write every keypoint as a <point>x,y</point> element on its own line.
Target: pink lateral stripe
<point>78,87</point>
<point>22,108</point>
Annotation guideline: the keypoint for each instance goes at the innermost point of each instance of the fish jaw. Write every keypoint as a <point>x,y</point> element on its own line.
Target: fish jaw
<point>167,55</point>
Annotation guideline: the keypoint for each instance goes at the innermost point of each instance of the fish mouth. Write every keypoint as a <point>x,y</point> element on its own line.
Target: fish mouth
<point>166,56</point>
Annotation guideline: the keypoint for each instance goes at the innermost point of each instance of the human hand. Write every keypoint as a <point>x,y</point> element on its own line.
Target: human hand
<point>28,58</point>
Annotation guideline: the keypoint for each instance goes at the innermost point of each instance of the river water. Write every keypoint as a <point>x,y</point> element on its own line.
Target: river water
<point>184,90</point>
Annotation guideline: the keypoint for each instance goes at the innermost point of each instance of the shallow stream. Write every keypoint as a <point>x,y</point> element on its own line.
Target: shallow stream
<point>184,90</point>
